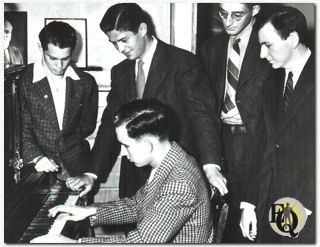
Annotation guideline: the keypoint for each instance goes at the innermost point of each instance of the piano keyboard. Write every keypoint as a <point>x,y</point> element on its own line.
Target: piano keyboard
<point>42,224</point>
<point>60,221</point>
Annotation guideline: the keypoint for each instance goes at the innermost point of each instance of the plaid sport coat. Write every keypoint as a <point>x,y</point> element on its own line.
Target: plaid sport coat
<point>40,128</point>
<point>174,207</point>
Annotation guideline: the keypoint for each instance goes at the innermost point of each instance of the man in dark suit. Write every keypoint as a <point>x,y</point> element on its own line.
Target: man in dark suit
<point>59,106</point>
<point>153,69</point>
<point>237,76</point>
<point>289,114</point>
<point>173,206</point>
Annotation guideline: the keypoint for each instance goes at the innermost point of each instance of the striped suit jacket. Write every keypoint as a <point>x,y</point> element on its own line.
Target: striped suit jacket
<point>40,128</point>
<point>174,207</point>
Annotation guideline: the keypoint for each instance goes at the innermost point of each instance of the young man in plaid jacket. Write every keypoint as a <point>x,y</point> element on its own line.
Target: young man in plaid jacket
<point>173,206</point>
<point>59,105</point>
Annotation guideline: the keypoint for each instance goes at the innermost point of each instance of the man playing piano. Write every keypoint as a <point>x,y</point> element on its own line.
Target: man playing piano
<point>59,106</point>
<point>173,205</point>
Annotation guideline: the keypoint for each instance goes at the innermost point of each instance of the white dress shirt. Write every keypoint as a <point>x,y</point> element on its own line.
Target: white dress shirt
<point>57,86</point>
<point>147,59</point>
<point>297,69</point>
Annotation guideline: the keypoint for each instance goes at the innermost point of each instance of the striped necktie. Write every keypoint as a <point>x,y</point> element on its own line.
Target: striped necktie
<point>287,92</point>
<point>141,81</point>
<point>232,75</point>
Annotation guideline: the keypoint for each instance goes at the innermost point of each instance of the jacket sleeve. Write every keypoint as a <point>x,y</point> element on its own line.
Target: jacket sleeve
<point>162,220</point>
<point>106,146</point>
<point>88,118</point>
<point>201,107</point>
<point>30,148</point>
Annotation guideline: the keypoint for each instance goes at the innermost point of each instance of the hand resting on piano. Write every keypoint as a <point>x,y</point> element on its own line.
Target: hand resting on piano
<point>69,212</point>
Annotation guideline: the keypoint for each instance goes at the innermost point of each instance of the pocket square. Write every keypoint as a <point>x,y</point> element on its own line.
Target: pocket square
<point>45,96</point>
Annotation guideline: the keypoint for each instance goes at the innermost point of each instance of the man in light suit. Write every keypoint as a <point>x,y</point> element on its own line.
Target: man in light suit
<point>172,207</point>
<point>12,54</point>
<point>153,69</point>
<point>288,168</point>
<point>237,75</point>
<point>59,106</point>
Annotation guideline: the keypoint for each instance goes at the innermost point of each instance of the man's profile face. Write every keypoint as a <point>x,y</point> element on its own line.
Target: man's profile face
<point>276,50</point>
<point>7,34</point>
<point>136,149</point>
<point>128,43</point>
<point>57,59</point>
<point>236,17</point>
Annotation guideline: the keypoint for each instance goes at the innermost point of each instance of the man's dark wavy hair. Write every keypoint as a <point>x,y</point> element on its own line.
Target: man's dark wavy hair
<point>58,33</point>
<point>126,17</point>
<point>287,20</point>
<point>142,117</point>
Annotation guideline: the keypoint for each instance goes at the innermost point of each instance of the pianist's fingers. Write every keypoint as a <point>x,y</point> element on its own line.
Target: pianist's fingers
<point>60,208</point>
<point>76,213</point>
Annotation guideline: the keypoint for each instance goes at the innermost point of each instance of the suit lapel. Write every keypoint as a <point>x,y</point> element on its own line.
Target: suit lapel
<point>303,88</point>
<point>251,57</point>
<point>274,100</point>
<point>127,79</point>
<point>157,70</point>
<point>72,103</point>
<point>42,90</point>
<point>131,79</point>
<point>162,173</point>
<point>223,58</point>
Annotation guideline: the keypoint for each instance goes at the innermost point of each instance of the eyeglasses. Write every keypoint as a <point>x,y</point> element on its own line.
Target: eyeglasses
<point>234,15</point>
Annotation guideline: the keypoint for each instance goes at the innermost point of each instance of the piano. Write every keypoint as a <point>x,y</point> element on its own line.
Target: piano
<point>27,194</point>
<point>26,214</point>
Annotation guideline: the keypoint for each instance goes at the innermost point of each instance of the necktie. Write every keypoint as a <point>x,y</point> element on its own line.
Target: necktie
<point>232,75</point>
<point>287,92</point>
<point>140,83</point>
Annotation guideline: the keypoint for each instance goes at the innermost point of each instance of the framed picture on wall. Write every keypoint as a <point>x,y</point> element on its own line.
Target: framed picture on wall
<point>15,38</point>
<point>80,53</point>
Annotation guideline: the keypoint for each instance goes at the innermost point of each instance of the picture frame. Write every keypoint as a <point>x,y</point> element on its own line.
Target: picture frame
<point>19,35</point>
<point>80,54</point>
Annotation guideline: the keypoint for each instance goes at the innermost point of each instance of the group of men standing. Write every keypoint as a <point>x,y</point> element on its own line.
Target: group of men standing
<point>244,108</point>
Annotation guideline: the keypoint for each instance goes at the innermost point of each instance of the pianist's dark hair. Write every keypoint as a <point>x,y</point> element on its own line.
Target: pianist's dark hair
<point>126,17</point>
<point>58,33</point>
<point>141,117</point>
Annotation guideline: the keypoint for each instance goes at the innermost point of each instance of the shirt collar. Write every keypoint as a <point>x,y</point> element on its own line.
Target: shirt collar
<point>39,72</point>
<point>244,35</point>
<point>299,65</point>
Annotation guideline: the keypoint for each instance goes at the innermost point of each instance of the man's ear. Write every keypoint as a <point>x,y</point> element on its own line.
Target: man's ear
<point>149,143</point>
<point>40,47</point>
<point>143,29</point>
<point>255,10</point>
<point>294,39</point>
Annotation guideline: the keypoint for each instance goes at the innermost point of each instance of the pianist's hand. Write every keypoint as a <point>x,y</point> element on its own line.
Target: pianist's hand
<point>46,165</point>
<point>76,213</point>
<point>82,183</point>
<point>49,238</point>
